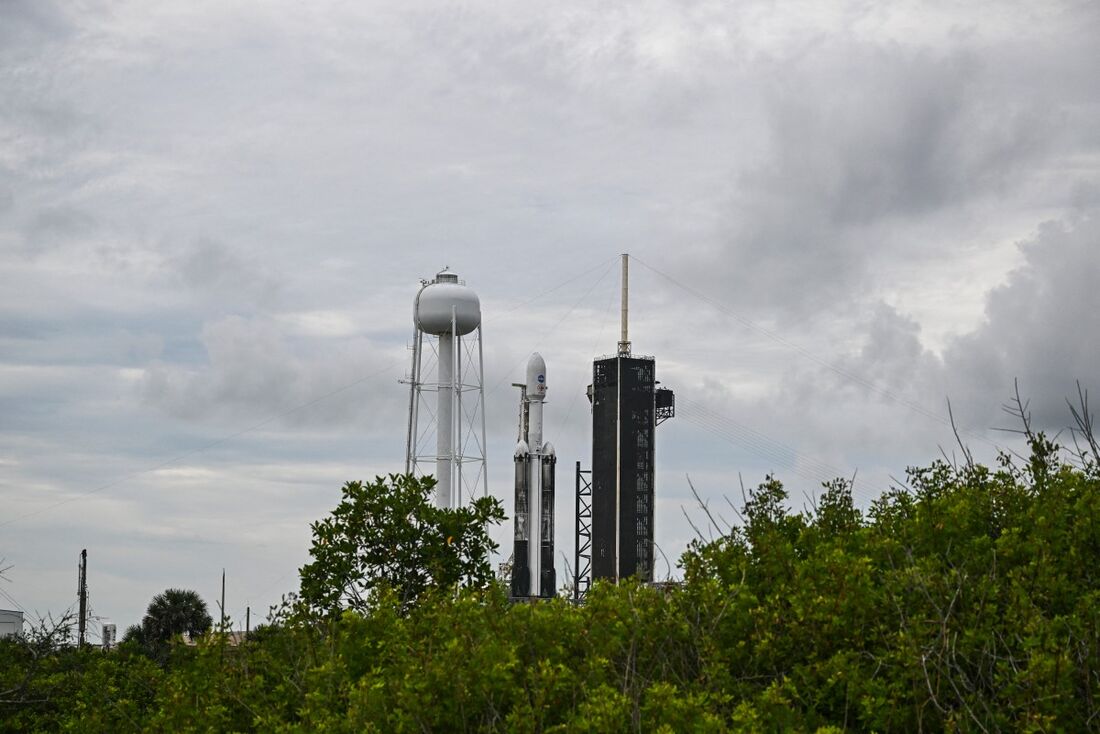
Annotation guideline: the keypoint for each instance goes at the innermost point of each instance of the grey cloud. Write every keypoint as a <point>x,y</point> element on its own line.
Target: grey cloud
<point>894,359</point>
<point>211,266</point>
<point>54,227</point>
<point>254,371</point>
<point>886,132</point>
<point>615,61</point>
<point>40,125</point>
<point>46,343</point>
<point>28,23</point>
<point>865,144</point>
<point>1040,327</point>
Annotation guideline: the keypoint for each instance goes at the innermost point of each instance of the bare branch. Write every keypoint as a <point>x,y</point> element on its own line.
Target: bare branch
<point>958,439</point>
<point>703,505</point>
<point>1019,409</point>
<point>668,566</point>
<point>692,524</point>
<point>1084,420</point>
<point>735,510</point>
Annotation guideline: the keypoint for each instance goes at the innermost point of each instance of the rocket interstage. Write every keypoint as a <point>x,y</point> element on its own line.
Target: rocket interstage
<point>533,560</point>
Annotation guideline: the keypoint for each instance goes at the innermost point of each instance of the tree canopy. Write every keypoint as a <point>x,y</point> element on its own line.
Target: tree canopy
<point>389,533</point>
<point>175,612</point>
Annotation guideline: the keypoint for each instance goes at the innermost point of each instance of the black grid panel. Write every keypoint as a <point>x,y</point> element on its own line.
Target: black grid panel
<point>605,383</point>
<point>623,422</point>
<point>636,425</point>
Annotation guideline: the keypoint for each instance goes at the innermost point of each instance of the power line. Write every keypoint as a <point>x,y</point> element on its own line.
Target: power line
<point>804,473</point>
<point>757,441</point>
<point>549,332</point>
<point>787,460</point>
<point>13,600</point>
<point>564,421</point>
<point>557,287</point>
<point>803,465</point>
<point>34,616</point>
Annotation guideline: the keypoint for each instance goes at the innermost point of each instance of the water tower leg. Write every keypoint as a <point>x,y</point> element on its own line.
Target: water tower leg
<point>444,421</point>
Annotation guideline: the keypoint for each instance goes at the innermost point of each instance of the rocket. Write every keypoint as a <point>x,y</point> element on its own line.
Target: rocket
<point>533,559</point>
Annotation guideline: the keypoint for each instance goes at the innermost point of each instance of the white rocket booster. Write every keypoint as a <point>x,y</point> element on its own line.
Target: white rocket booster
<point>533,560</point>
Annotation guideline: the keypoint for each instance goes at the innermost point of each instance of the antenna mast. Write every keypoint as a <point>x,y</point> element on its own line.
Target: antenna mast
<point>624,340</point>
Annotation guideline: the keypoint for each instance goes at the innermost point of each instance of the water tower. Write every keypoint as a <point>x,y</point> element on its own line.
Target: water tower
<point>447,361</point>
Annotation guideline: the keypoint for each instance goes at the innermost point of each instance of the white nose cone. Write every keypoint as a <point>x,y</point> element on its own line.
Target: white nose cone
<point>536,377</point>
<point>521,449</point>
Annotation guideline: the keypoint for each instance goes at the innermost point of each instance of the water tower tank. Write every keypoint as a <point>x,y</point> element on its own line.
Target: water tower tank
<point>443,297</point>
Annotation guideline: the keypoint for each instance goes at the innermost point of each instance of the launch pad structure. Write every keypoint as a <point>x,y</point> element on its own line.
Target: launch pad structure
<point>614,525</point>
<point>615,500</point>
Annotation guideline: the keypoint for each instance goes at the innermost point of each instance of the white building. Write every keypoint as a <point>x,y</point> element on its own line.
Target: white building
<point>11,623</point>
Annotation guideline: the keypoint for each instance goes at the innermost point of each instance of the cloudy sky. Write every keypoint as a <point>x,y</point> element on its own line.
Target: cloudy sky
<point>214,216</point>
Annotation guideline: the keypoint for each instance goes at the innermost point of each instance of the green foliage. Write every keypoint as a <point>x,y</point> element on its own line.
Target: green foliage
<point>969,603</point>
<point>388,533</point>
<point>47,684</point>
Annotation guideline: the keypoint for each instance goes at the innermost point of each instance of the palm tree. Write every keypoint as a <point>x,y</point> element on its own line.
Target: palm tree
<point>135,634</point>
<point>172,613</point>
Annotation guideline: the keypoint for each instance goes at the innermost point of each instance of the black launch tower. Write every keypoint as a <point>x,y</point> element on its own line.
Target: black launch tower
<point>616,500</point>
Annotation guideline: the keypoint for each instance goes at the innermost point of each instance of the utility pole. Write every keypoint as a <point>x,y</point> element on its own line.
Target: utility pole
<point>82,595</point>
<point>247,621</point>
<point>222,605</point>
